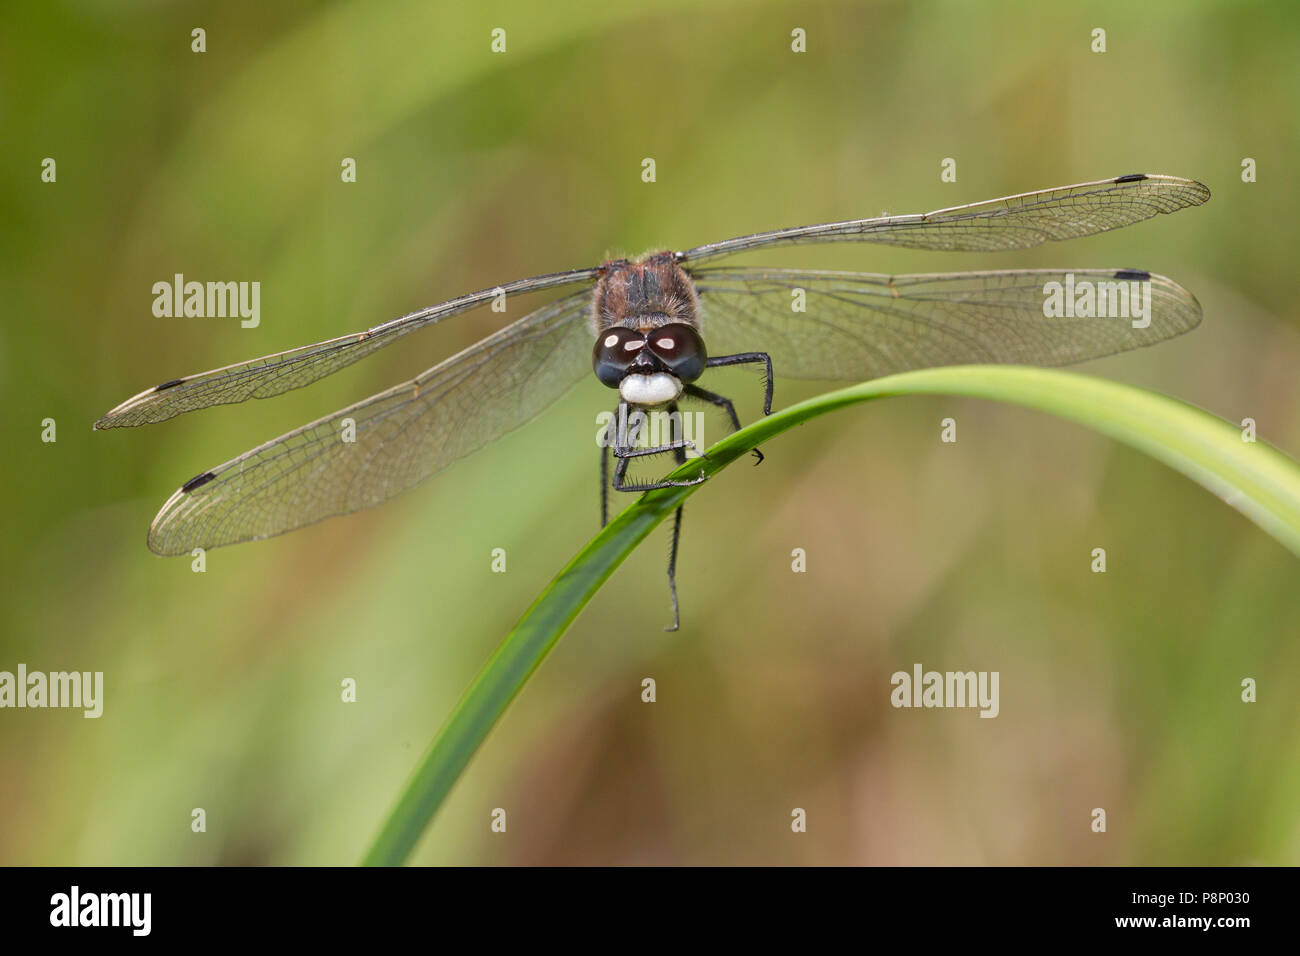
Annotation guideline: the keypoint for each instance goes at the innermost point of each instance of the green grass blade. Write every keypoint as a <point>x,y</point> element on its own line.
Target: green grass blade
<point>1256,479</point>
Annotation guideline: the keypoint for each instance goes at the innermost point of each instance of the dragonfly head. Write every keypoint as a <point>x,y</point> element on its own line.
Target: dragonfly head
<point>649,366</point>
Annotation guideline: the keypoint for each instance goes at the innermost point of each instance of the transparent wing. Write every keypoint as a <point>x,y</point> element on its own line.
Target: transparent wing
<point>858,326</point>
<point>275,374</point>
<point>402,436</point>
<point>1013,222</point>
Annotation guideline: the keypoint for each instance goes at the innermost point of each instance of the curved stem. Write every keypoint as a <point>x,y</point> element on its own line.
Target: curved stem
<point>1258,480</point>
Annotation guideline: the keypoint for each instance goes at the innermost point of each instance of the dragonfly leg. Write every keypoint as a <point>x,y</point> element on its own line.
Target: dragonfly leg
<point>672,568</point>
<point>672,559</point>
<point>680,444</point>
<point>680,455</point>
<point>620,471</point>
<point>746,358</point>
<point>725,404</point>
<point>611,431</point>
<point>604,485</point>
<point>624,453</point>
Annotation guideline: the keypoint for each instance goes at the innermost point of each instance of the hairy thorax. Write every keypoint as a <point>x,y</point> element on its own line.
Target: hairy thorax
<point>644,294</point>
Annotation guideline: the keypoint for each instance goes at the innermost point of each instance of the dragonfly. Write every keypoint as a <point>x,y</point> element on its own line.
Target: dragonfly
<point>640,325</point>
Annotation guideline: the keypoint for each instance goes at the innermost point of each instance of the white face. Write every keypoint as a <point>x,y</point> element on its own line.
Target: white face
<point>649,389</point>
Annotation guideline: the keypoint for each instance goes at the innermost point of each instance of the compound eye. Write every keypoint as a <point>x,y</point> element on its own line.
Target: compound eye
<point>615,351</point>
<point>681,350</point>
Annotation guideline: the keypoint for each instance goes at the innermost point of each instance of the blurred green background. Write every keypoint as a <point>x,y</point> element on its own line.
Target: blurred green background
<point>223,688</point>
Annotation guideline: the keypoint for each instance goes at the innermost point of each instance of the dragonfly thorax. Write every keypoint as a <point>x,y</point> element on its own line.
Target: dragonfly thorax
<point>644,294</point>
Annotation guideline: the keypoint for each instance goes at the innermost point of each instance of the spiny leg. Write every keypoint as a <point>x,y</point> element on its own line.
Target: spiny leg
<point>611,432</point>
<point>624,454</point>
<point>725,404</point>
<point>680,454</point>
<point>672,567</point>
<point>620,472</point>
<point>604,485</point>
<point>745,358</point>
